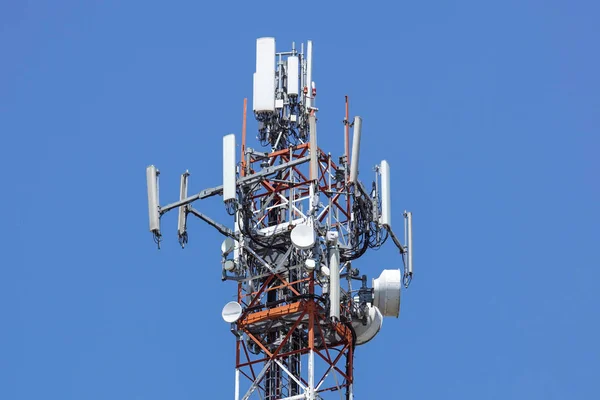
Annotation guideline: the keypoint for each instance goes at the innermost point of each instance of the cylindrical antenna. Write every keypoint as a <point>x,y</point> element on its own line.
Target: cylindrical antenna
<point>347,148</point>
<point>182,220</point>
<point>308,74</point>
<point>153,204</point>
<point>409,258</point>
<point>355,150</point>
<point>347,133</point>
<point>386,200</point>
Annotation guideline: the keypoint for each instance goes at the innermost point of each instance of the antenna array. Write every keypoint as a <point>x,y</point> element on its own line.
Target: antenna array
<point>300,220</point>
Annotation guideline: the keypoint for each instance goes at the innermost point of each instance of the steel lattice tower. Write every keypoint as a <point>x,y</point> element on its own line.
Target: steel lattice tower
<point>299,220</point>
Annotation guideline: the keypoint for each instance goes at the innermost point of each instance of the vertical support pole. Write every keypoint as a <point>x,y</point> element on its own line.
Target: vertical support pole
<point>291,190</point>
<point>237,351</point>
<point>350,366</point>
<point>237,384</point>
<point>311,375</point>
<point>330,204</point>
<point>310,395</point>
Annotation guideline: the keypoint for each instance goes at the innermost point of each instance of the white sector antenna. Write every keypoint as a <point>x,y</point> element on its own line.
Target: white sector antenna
<point>153,212</point>
<point>355,149</point>
<point>313,148</point>
<point>386,292</point>
<point>231,312</point>
<point>229,167</point>
<point>264,77</point>
<point>293,74</point>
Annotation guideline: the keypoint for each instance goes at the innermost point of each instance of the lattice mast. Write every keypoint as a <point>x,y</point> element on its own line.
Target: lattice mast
<point>300,219</point>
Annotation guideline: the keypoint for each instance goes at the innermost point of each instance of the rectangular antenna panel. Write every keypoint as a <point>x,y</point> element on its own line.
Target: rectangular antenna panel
<point>181,222</point>
<point>263,98</point>
<point>264,78</point>
<point>355,150</point>
<point>293,75</point>
<point>265,55</point>
<point>229,167</point>
<point>153,212</point>
<point>386,199</point>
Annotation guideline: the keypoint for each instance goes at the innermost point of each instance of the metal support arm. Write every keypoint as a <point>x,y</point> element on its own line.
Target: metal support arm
<point>395,239</point>
<point>223,230</point>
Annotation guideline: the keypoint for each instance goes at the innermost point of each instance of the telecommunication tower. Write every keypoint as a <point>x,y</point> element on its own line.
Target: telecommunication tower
<point>300,220</point>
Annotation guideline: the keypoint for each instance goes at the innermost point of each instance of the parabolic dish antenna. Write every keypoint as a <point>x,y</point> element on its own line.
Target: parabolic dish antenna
<point>303,237</point>
<point>227,245</point>
<point>386,292</point>
<point>364,333</point>
<point>231,312</point>
<point>229,265</point>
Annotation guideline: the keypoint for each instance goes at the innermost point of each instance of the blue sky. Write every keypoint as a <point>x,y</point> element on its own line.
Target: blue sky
<point>486,111</point>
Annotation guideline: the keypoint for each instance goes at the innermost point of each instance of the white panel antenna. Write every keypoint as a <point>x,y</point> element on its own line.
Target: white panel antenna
<point>334,277</point>
<point>293,75</point>
<point>355,150</point>
<point>264,78</point>
<point>182,220</point>
<point>229,167</point>
<point>308,81</point>
<point>314,157</point>
<point>153,204</point>
<point>386,199</point>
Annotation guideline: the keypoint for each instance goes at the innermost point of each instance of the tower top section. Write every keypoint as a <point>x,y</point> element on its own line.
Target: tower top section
<point>284,93</point>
